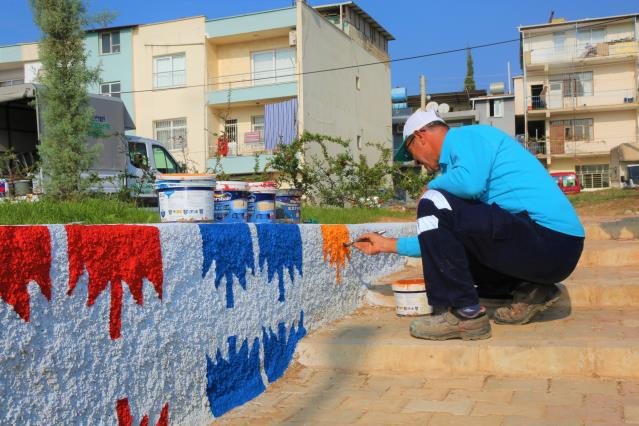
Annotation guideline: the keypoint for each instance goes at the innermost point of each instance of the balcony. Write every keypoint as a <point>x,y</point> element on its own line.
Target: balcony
<point>600,100</point>
<point>582,52</point>
<point>251,23</point>
<point>585,148</point>
<point>251,87</point>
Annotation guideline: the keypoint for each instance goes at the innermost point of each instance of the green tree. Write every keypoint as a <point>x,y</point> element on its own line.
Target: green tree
<point>67,114</point>
<point>469,81</point>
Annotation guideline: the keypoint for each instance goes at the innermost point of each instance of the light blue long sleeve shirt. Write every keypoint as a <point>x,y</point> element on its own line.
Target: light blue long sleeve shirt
<point>483,163</point>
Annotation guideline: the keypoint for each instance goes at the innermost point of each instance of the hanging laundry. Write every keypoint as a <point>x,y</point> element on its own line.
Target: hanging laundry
<point>280,123</point>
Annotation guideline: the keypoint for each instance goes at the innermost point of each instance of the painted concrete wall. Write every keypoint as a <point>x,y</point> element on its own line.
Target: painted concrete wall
<point>568,164</point>
<point>505,123</point>
<point>114,67</point>
<point>330,103</point>
<point>518,91</point>
<point>182,322</point>
<point>180,36</point>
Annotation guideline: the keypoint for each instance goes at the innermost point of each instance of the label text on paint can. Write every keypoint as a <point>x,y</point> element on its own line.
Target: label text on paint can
<point>230,206</point>
<point>185,205</point>
<point>288,208</point>
<point>261,207</point>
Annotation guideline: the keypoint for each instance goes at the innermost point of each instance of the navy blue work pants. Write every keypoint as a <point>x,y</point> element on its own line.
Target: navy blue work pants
<point>471,249</point>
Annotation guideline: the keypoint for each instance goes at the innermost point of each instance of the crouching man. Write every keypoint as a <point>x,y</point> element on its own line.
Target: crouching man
<point>492,224</point>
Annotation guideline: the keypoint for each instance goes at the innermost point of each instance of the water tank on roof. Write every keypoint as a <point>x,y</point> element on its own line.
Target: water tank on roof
<point>496,88</point>
<point>398,94</point>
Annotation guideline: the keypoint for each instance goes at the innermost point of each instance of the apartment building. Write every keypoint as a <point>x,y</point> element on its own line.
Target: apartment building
<point>577,98</point>
<point>259,79</point>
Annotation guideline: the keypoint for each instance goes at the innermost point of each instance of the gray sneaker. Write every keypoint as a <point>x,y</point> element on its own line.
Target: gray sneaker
<point>529,299</point>
<point>451,325</point>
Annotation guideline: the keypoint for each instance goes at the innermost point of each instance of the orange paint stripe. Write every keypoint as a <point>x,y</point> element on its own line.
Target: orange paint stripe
<point>334,238</point>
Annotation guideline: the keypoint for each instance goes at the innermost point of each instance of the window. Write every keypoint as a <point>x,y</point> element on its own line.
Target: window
<point>111,89</point>
<point>110,43</point>
<point>230,130</point>
<point>164,163</point>
<point>591,36</point>
<point>575,130</point>
<point>574,84</point>
<point>496,108</point>
<point>273,66</point>
<point>171,133</point>
<point>138,155</point>
<point>593,176</point>
<point>169,71</point>
<point>559,40</point>
<point>257,125</point>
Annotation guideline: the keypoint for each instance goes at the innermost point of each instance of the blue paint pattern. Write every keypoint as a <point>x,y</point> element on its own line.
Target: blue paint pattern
<point>278,351</point>
<point>231,247</point>
<point>280,246</point>
<point>233,382</point>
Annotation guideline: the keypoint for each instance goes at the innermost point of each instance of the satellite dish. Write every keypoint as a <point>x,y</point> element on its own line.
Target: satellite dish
<point>432,106</point>
<point>443,108</point>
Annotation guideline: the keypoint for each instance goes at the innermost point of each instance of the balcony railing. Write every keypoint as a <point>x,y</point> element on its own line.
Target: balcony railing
<point>580,51</point>
<point>598,98</point>
<point>252,79</point>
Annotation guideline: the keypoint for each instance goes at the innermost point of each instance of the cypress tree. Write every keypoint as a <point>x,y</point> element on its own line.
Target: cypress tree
<point>469,81</point>
<point>67,115</point>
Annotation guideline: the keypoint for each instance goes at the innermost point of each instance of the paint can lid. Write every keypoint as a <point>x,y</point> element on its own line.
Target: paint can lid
<point>231,185</point>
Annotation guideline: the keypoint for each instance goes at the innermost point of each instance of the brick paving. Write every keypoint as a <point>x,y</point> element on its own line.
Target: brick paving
<point>313,397</point>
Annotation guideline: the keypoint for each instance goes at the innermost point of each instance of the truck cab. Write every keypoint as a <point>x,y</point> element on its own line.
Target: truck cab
<point>567,181</point>
<point>147,158</point>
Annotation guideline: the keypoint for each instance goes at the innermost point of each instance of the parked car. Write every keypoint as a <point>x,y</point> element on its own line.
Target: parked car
<point>123,161</point>
<point>567,181</point>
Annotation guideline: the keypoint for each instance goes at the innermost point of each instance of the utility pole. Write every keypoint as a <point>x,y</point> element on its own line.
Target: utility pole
<point>422,81</point>
<point>509,92</point>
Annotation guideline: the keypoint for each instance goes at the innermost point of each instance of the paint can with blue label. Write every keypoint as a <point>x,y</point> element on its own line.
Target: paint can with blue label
<point>288,205</point>
<point>231,199</point>
<point>261,202</point>
<point>185,197</point>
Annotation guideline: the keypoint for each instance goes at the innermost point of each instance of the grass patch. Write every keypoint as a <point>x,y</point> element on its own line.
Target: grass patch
<point>589,198</point>
<point>86,211</point>
<point>352,215</point>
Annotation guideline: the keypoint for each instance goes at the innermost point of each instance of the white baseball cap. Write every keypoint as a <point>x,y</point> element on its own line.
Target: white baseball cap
<point>415,122</point>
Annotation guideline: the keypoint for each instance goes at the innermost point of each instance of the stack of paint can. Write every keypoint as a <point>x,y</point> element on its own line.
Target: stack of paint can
<point>261,202</point>
<point>231,201</point>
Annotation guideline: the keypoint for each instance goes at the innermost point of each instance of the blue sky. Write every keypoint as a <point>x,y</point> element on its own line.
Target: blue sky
<point>419,26</point>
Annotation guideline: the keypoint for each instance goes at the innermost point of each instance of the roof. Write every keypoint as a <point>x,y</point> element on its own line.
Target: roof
<point>361,12</point>
<point>585,20</point>
<point>120,27</point>
<point>481,98</point>
<point>447,97</point>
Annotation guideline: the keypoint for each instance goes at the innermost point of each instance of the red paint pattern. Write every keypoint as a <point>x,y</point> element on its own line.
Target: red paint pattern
<point>124,414</point>
<point>25,256</point>
<point>115,254</point>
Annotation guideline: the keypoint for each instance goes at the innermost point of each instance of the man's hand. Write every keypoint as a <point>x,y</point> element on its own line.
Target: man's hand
<point>372,243</point>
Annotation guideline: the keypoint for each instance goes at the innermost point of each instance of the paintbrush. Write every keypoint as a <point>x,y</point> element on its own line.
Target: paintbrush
<point>364,240</point>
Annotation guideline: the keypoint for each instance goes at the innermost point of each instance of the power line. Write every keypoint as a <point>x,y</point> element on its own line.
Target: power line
<point>387,61</point>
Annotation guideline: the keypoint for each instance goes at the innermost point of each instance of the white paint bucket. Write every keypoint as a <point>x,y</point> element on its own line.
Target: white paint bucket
<point>410,298</point>
<point>185,197</point>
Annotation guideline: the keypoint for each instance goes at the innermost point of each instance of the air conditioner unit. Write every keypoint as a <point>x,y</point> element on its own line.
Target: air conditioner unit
<point>292,38</point>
